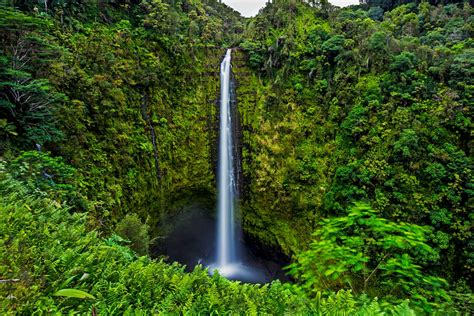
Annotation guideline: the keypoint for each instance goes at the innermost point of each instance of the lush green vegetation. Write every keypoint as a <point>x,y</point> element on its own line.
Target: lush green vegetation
<point>356,109</point>
<point>47,251</point>
<point>356,137</point>
<point>390,4</point>
<point>372,255</point>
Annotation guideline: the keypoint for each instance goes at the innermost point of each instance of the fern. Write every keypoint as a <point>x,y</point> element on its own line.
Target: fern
<point>402,310</point>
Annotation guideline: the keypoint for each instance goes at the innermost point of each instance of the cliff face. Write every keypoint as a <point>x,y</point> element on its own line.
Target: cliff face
<point>265,202</point>
<point>157,147</point>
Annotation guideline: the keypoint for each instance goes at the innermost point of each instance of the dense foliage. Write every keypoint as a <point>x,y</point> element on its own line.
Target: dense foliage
<point>53,263</point>
<point>352,108</point>
<point>116,98</point>
<point>356,153</point>
<point>390,4</point>
<point>372,255</point>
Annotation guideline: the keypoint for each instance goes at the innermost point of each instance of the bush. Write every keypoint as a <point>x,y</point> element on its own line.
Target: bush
<point>371,255</point>
<point>52,176</point>
<point>132,229</point>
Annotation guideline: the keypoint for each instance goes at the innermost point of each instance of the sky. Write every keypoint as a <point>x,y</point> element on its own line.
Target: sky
<point>251,7</point>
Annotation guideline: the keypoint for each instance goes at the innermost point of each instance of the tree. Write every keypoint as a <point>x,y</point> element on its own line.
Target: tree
<point>390,4</point>
<point>157,15</point>
<point>375,13</point>
<point>27,104</point>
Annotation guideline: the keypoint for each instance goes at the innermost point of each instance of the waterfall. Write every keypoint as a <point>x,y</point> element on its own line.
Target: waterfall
<point>226,187</point>
<point>230,262</point>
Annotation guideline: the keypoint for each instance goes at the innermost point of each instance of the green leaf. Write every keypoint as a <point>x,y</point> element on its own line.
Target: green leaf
<point>73,293</point>
<point>65,283</point>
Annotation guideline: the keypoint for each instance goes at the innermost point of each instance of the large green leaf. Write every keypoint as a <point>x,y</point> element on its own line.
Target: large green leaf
<point>73,293</point>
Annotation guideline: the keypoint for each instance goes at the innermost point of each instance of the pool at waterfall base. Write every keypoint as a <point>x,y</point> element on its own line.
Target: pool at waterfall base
<point>190,240</point>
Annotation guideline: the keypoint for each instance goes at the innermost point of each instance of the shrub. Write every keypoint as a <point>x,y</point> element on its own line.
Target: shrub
<point>369,254</point>
<point>132,229</point>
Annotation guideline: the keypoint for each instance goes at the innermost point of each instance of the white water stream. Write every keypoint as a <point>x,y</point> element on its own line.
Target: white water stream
<point>226,188</point>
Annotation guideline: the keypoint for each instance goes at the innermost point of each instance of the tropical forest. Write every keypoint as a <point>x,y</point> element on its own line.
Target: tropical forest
<point>176,157</point>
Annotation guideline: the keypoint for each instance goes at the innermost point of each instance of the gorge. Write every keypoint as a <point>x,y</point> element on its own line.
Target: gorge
<point>331,146</point>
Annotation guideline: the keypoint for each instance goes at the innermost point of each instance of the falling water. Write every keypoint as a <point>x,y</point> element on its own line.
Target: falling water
<point>226,235</point>
<point>228,262</point>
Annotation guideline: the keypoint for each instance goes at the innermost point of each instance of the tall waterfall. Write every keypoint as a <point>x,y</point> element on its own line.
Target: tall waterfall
<point>226,186</point>
<point>231,261</point>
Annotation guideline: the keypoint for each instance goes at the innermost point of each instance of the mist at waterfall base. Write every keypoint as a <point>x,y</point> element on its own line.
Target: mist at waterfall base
<point>190,239</point>
<point>193,240</point>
